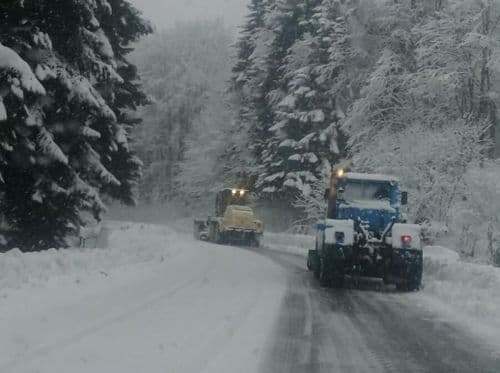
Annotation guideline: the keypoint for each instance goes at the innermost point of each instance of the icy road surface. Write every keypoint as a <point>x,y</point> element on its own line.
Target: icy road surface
<point>326,330</point>
<point>162,302</point>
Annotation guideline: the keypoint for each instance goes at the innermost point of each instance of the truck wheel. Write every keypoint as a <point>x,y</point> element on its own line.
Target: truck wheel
<point>324,273</point>
<point>219,238</point>
<point>255,241</point>
<point>401,287</point>
<point>413,280</point>
<point>408,286</point>
<point>313,262</point>
<point>316,269</point>
<point>413,286</point>
<point>310,257</point>
<point>338,281</point>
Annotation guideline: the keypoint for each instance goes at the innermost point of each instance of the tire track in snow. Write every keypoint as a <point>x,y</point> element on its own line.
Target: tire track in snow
<point>366,331</point>
<point>97,327</point>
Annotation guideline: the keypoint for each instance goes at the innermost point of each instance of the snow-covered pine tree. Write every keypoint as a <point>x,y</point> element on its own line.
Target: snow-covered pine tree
<point>247,44</point>
<point>123,27</point>
<point>64,141</point>
<point>304,136</point>
<point>249,94</point>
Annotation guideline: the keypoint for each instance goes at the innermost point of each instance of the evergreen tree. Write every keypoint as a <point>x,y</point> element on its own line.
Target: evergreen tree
<point>305,132</point>
<point>249,73</point>
<point>65,128</point>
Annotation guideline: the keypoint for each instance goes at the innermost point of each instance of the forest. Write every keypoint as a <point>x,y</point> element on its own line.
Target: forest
<point>407,88</point>
<point>92,108</point>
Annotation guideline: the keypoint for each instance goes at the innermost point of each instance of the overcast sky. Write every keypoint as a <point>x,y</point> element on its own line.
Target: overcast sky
<point>165,13</point>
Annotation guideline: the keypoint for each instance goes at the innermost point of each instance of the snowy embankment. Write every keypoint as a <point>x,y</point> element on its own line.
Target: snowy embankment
<point>155,300</point>
<point>126,243</point>
<point>467,292</point>
<point>296,244</point>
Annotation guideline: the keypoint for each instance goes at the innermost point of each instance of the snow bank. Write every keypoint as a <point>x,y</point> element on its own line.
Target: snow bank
<point>297,244</point>
<point>127,244</point>
<point>191,309</point>
<point>468,290</point>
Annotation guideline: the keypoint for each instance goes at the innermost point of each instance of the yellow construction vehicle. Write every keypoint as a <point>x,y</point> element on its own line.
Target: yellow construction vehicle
<point>234,221</point>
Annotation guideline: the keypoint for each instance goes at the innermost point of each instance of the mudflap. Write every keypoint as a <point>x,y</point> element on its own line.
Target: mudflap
<point>407,269</point>
<point>313,261</point>
<point>332,267</point>
<point>242,238</point>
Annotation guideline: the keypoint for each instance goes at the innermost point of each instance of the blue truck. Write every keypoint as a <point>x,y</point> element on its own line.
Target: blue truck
<point>365,234</point>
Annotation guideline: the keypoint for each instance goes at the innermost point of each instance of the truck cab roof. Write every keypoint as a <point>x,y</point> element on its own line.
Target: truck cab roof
<point>370,177</point>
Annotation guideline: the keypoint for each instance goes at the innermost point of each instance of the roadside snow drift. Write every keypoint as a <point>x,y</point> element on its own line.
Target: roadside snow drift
<point>155,301</point>
<point>297,244</point>
<point>127,244</point>
<point>466,289</point>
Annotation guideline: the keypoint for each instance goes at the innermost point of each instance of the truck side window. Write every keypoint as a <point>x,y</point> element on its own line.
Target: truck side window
<point>383,192</point>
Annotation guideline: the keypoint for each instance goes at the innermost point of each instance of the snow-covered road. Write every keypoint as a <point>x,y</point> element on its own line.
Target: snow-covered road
<point>193,308</point>
<point>163,302</point>
<point>367,330</point>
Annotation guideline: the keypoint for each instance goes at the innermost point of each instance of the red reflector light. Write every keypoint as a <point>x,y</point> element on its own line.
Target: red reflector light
<point>406,240</point>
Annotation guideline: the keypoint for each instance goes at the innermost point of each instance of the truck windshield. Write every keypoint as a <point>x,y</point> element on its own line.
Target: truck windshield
<point>366,192</point>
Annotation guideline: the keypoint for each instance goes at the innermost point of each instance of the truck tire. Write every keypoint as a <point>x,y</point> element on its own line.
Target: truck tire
<point>219,238</point>
<point>409,286</point>
<point>338,280</point>
<point>310,264</point>
<point>413,280</point>
<point>413,286</point>
<point>313,262</point>
<point>324,273</point>
<point>316,272</point>
<point>255,241</point>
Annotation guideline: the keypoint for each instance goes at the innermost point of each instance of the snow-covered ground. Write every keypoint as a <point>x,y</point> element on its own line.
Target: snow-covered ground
<point>296,244</point>
<point>466,293</point>
<point>154,301</point>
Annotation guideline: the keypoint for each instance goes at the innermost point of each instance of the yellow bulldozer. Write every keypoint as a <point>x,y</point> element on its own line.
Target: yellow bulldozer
<point>234,221</point>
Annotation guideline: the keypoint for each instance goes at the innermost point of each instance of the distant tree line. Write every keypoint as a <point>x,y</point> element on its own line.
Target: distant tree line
<point>188,124</point>
<point>407,87</point>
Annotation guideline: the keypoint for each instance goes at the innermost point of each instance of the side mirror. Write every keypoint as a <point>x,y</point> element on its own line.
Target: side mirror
<point>327,194</point>
<point>404,198</point>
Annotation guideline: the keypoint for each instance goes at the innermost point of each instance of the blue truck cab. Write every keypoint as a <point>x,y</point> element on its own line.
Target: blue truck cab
<point>365,234</point>
<point>372,199</point>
